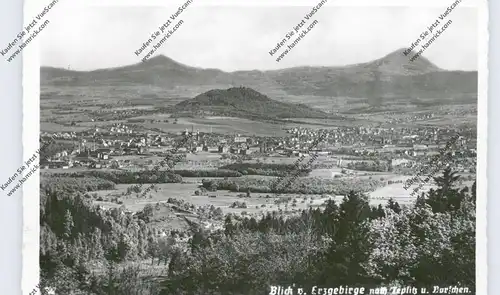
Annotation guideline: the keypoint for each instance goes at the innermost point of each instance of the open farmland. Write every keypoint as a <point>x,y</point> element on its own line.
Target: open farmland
<point>186,191</point>
<point>223,125</point>
<point>257,203</point>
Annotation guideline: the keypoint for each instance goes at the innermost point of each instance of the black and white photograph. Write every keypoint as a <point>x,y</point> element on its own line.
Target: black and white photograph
<point>312,147</point>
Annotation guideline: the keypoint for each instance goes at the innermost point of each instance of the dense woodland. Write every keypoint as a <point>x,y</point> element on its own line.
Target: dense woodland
<point>128,177</point>
<point>267,169</point>
<point>208,173</point>
<point>87,250</point>
<point>375,166</point>
<point>153,176</point>
<point>310,185</point>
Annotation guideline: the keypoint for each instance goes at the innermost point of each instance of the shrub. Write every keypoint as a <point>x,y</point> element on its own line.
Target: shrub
<point>238,204</point>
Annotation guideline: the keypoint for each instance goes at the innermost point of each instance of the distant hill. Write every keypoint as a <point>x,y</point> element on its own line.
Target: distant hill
<point>397,63</point>
<point>244,102</point>
<point>392,76</point>
<point>159,70</point>
<point>382,81</point>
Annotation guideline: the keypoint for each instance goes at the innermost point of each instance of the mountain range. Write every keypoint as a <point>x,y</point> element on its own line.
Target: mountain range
<point>392,77</point>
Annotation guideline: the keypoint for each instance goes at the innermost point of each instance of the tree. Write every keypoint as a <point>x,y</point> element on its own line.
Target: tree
<point>111,284</point>
<point>124,247</point>
<point>423,247</point>
<point>378,212</point>
<point>165,248</point>
<point>97,251</point>
<point>473,192</point>
<point>229,228</point>
<point>148,212</point>
<point>420,202</point>
<point>199,239</point>
<point>446,197</point>
<point>446,181</point>
<point>344,260</point>
<point>153,249</point>
<point>394,206</point>
<point>68,225</point>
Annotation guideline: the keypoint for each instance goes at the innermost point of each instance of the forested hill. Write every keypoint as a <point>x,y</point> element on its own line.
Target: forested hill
<point>245,102</point>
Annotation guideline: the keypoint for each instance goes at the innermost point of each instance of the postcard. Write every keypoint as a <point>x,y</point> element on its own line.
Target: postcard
<point>253,147</point>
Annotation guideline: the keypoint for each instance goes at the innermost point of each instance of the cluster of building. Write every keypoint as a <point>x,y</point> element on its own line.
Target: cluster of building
<point>439,112</point>
<point>401,147</point>
<point>101,147</point>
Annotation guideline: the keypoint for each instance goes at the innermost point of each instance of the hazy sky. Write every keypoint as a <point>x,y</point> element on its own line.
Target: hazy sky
<point>240,38</point>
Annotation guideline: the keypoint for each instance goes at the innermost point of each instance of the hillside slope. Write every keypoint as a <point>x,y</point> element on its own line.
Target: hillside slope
<point>246,103</point>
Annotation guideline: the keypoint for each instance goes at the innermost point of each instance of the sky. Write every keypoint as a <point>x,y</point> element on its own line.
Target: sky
<point>234,38</point>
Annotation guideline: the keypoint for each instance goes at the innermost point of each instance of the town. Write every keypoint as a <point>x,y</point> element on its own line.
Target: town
<point>123,147</point>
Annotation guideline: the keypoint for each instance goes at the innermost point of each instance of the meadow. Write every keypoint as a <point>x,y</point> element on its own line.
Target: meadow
<point>258,202</point>
<point>186,191</point>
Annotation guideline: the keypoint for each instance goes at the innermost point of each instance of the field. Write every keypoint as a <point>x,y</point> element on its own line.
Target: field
<point>185,191</point>
<point>256,204</point>
<point>55,127</point>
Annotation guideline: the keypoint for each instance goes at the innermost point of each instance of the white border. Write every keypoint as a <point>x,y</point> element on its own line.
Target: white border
<point>482,150</point>
<point>31,113</point>
<point>306,3</point>
<point>31,132</point>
